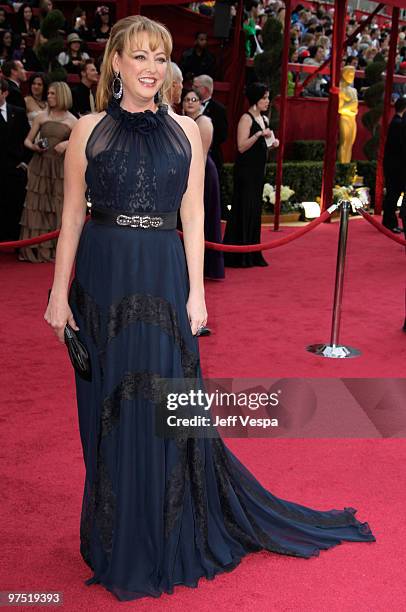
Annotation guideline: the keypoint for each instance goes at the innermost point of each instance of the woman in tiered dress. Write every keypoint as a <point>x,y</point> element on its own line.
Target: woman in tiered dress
<point>42,211</point>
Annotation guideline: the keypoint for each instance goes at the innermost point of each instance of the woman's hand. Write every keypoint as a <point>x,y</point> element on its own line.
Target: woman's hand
<point>196,309</point>
<point>37,148</point>
<point>57,314</point>
<point>266,133</point>
<point>275,143</point>
<point>60,147</point>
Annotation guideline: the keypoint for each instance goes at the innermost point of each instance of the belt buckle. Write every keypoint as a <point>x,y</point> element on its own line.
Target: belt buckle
<point>123,220</point>
<point>156,221</point>
<point>144,221</point>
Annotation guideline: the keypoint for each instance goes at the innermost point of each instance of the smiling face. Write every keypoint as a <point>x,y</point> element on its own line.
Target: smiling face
<point>141,69</point>
<point>191,104</point>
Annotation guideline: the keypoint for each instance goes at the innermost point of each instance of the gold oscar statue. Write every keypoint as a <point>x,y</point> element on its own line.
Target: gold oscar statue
<point>348,110</point>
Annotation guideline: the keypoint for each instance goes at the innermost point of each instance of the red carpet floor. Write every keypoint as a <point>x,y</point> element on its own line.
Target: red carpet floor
<point>262,319</point>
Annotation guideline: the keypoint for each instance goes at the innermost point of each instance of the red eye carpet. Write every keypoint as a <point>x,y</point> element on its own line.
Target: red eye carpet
<point>262,318</point>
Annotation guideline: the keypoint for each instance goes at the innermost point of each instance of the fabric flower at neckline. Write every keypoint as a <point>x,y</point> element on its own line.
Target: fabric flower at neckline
<point>142,122</point>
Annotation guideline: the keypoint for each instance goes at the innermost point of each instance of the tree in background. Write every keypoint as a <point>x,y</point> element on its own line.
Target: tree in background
<point>51,44</point>
<point>268,64</point>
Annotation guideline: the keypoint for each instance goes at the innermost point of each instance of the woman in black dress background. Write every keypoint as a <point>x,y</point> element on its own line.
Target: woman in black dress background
<point>244,225</point>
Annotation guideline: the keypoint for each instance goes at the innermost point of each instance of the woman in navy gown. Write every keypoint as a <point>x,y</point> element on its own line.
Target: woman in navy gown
<point>156,512</point>
<point>213,260</point>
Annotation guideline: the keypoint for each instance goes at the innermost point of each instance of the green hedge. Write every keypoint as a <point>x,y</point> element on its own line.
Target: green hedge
<point>308,150</point>
<point>367,169</point>
<point>305,178</point>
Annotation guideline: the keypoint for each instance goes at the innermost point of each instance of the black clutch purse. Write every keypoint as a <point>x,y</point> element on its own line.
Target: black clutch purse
<point>78,353</point>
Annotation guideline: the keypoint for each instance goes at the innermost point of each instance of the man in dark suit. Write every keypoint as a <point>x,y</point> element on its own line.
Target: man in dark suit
<point>394,164</point>
<point>82,95</point>
<point>14,157</point>
<point>203,85</point>
<point>15,74</point>
<point>197,60</point>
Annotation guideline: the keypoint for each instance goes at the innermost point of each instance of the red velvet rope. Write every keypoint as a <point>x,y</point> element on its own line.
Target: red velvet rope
<point>18,244</point>
<point>382,228</point>
<point>265,246</point>
<point>210,245</point>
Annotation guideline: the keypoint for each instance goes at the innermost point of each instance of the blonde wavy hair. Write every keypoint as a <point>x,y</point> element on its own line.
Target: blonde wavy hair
<point>63,95</point>
<point>123,33</point>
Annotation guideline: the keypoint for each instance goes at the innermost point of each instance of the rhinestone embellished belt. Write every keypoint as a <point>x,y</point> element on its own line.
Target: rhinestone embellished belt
<point>161,221</point>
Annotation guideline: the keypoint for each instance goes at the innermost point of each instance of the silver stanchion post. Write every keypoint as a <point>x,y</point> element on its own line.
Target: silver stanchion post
<point>335,349</point>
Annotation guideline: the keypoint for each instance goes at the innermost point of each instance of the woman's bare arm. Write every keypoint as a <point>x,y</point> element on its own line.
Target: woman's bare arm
<point>35,128</point>
<point>206,133</point>
<point>192,216</point>
<point>244,140</point>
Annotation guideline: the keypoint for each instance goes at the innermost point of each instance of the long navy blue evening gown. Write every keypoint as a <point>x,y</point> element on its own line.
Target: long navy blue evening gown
<point>213,260</point>
<point>159,512</point>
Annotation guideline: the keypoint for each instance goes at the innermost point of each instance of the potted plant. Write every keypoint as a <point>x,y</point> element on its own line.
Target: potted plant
<point>290,211</point>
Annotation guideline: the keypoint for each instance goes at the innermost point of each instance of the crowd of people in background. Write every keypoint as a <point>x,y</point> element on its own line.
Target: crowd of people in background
<point>51,108</point>
<point>311,40</point>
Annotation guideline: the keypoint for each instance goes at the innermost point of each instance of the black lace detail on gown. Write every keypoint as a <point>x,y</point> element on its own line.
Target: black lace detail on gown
<point>87,521</point>
<point>88,309</point>
<point>155,311</point>
<point>197,480</point>
<point>146,384</point>
<point>175,491</point>
<point>99,499</point>
<point>98,509</point>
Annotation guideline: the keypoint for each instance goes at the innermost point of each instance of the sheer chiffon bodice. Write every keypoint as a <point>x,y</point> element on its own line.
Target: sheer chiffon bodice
<point>137,162</point>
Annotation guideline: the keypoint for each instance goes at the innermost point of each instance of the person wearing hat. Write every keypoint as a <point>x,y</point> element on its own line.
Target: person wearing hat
<point>72,58</point>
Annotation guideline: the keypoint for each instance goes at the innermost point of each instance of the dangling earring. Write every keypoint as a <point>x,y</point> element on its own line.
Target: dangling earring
<point>117,83</point>
<point>159,97</point>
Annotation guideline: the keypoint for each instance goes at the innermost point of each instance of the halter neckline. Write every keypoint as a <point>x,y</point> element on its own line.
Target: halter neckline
<point>142,121</point>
